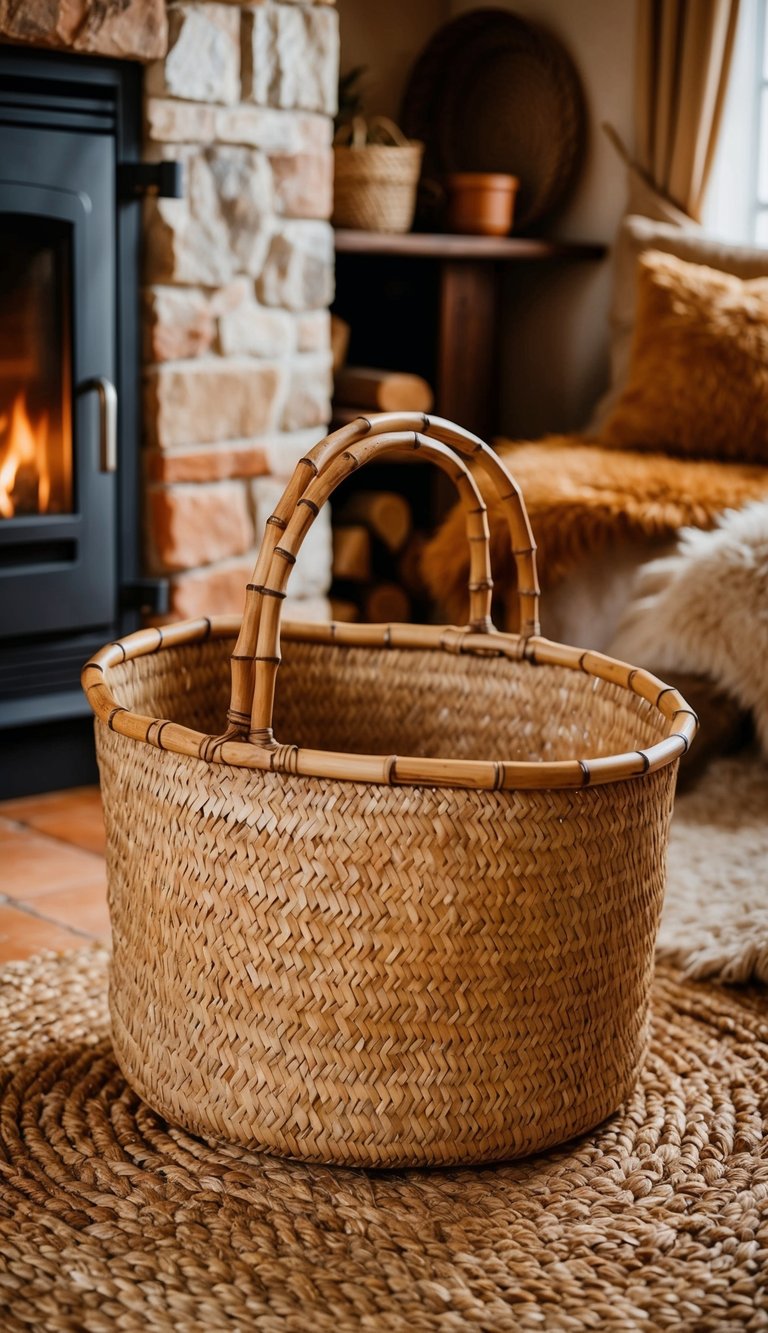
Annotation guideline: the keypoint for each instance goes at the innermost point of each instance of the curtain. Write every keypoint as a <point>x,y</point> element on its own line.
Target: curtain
<point>683,56</point>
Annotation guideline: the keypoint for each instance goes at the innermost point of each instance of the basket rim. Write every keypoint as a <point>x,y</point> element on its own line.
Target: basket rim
<point>412,145</point>
<point>396,770</point>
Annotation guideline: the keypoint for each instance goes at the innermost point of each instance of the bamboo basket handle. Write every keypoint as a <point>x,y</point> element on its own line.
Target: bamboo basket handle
<point>308,470</point>
<point>478,458</point>
<point>273,591</point>
<point>355,133</point>
<point>382,125</point>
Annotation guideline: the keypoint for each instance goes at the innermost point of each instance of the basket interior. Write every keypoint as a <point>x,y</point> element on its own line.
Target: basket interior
<point>397,701</point>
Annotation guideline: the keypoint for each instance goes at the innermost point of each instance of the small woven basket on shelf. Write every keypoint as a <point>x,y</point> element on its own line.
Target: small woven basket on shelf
<point>419,927</point>
<point>375,182</point>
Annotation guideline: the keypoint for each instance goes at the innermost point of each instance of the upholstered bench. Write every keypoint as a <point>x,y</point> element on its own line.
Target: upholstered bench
<point>596,514</point>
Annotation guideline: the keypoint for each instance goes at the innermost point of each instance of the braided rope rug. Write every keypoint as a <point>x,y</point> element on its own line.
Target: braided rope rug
<point>715,920</point>
<point>111,1220</point>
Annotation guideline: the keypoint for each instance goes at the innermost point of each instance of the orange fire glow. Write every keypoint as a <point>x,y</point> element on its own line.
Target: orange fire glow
<point>25,479</point>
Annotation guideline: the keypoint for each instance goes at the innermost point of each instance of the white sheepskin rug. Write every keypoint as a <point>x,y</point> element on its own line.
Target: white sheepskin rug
<point>704,609</point>
<point>715,918</point>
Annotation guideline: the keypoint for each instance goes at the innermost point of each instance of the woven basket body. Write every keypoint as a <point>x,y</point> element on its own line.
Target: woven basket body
<point>321,953</point>
<point>367,975</point>
<point>375,186</point>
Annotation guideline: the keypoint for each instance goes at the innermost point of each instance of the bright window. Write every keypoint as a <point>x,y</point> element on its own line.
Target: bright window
<point>760,168</point>
<point>736,206</point>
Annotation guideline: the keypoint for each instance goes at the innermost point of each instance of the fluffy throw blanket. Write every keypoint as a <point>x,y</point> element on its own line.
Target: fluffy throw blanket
<point>704,609</point>
<point>583,499</point>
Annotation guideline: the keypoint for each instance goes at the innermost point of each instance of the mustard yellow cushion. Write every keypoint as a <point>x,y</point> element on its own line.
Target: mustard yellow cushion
<point>698,373</point>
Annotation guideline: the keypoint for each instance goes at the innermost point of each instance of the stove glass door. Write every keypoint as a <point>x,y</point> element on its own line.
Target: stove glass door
<point>36,464</point>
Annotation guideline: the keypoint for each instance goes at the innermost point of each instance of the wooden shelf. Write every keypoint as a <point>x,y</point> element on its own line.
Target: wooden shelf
<point>434,245</point>
<point>439,316</point>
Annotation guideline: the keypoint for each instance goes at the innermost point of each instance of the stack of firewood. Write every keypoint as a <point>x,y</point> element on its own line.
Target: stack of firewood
<point>376,558</point>
<point>377,545</point>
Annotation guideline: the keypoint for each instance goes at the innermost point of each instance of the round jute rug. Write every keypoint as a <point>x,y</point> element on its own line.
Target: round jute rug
<point>111,1220</point>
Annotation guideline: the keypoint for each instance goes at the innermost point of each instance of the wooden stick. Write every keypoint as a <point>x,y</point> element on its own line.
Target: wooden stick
<point>340,332</point>
<point>385,514</point>
<point>409,565</point>
<point>384,603</point>
<point>344,610</point>
<point>352,553</point>
<point>382,390</point>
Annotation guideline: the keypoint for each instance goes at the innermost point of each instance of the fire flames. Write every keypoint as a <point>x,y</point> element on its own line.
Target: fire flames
<point>25,479</point>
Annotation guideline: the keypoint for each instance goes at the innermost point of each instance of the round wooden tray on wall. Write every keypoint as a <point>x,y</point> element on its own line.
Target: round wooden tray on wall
<point>493,92</point>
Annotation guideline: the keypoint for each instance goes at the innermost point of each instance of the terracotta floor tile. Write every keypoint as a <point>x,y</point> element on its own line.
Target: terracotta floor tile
<point>31,864</point>
<point>74,816</point>
<point>8,831</point>
<point>82,908</point>
<point>22,935</point>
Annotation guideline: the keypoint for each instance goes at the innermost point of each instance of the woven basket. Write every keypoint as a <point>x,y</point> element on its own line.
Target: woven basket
<point>375,183</point>
<point>419,928</point>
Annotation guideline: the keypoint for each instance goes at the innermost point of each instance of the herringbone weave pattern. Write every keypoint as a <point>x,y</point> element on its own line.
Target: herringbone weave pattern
<point>349,972</point>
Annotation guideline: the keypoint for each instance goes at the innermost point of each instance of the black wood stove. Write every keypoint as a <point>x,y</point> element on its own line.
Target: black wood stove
<point>69,399</point>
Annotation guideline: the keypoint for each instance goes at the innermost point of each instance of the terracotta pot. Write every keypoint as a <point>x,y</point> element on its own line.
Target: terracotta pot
<point>481,202</point>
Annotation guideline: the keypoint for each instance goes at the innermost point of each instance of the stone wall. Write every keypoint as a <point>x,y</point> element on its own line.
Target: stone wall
<point>239,277</point>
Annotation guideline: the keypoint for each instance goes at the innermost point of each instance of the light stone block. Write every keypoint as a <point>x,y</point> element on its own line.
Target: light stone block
<point>192,525</point>
<point>308,399</point>
<point>284,449</point>
<point>206,462</point>
<point>317,610</point>
<point>298,271</point>
<point>219,590</point>
<point>230,296</point>
<point>178,323</point>
<point>203,60</point>
<point>242,182</point>
<point>257,330</point>
<point>181,248</point>
<point>274,131</point>
<point>222,226</point>
<point>168,121</point>
<point>216,590</point>
<point>291,57</point>
<point>181,322</point>
<point>200,402</point>
<point>303,183</point>
<point>313,331</point>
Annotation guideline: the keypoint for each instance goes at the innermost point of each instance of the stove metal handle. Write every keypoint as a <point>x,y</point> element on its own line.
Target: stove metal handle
<point>107,419</point>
